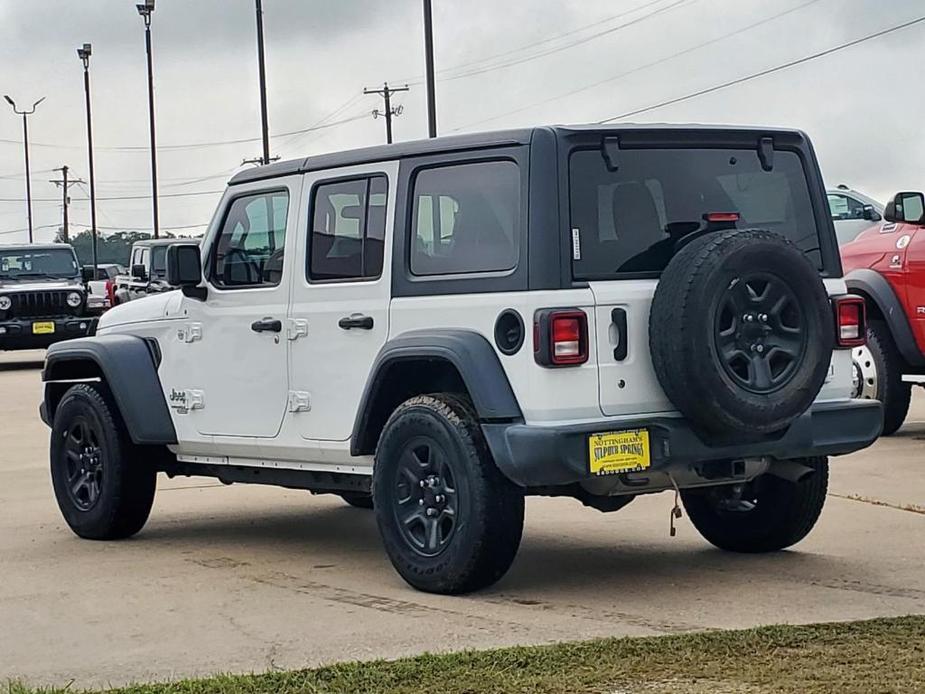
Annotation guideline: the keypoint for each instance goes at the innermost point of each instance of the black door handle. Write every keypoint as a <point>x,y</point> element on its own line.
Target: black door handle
<point>361,322</point>
<point>267,325</point>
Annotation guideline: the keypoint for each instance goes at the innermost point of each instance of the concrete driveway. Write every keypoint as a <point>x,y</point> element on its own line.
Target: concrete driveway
<point>241,579</point>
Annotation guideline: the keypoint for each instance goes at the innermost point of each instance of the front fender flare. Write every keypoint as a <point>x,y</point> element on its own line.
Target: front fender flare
<point>874,286</point>
<point>127,365</point>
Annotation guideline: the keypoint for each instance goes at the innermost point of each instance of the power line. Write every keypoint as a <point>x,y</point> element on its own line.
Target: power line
<point>573,44</point>
<point>418,79</point>
<point>193,145</point>
<point>123,197</point>
<point>768,71</point>
<point>634,70</point>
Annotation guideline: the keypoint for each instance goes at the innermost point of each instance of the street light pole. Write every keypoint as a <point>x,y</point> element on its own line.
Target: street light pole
<point>429,70</point>
<point>145,9</point>
<point>84,54</point>
<point>25,140</point>
<point>261,61</point>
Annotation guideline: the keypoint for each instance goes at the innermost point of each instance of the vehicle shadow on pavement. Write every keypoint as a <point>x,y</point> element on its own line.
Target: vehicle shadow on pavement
<point>21,365</point>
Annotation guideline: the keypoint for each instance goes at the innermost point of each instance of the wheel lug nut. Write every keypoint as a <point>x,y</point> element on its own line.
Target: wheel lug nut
<point>420,502</point>
<point>423,484</point>
<point>763,317</point>
<point>759,349</point>
<point>431,512</point>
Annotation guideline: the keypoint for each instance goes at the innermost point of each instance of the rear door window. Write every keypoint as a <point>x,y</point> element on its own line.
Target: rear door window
<point>630,219</point>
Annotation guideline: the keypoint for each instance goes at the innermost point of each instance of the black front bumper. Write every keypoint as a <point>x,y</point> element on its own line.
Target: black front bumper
<point>18,333</point>
<point>539,456</point>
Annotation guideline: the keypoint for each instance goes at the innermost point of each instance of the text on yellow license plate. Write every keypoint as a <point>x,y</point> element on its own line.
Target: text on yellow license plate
<point>619,451</point>
<point>43,328</point>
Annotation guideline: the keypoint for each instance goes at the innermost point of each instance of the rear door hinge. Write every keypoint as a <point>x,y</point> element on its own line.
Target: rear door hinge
<point>299,401</point>
<point>298,327</point>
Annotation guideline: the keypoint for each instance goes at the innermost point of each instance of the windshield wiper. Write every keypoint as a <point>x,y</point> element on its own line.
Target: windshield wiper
<point>40,274</point>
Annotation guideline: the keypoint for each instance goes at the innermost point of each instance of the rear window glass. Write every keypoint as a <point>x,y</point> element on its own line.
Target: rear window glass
<point>631,219</point>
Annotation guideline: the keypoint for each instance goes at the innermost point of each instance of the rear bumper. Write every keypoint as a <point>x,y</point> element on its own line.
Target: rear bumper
<point>538,456</point>
<point>18,334</point>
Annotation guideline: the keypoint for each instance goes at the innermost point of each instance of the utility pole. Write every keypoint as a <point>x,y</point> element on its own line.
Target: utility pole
<point>386,93</point>
<point>258,161</point>
<point>84,53</point>
<point>65,185</point>
<point>145,9</point>
<point>25,140</point>
<point>429,65</point>
<point>261,60</point>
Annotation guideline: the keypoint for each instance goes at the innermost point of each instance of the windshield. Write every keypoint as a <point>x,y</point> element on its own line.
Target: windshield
<point>57,263</point>
<point>630,220</point>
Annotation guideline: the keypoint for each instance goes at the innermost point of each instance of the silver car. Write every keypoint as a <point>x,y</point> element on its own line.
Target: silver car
<point>852,212</point>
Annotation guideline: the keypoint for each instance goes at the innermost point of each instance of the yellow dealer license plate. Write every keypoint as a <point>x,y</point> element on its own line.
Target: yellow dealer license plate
<point>43,328</point>
<point>619,451</point>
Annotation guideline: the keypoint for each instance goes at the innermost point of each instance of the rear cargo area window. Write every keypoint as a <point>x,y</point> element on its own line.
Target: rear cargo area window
<point>631,218</point>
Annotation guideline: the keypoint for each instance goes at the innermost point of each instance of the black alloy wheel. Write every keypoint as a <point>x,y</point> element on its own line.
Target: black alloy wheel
<point>84,464</point>
<point>760,332</point>
<point>425,499</point>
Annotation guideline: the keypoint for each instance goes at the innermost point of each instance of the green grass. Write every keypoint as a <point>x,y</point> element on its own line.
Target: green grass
<point>881,655</point>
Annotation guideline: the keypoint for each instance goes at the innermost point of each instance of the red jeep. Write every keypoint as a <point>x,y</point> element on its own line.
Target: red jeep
<point>886,265</point>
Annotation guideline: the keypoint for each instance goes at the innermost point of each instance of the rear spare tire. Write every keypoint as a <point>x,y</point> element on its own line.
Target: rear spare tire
<point>740,332</point>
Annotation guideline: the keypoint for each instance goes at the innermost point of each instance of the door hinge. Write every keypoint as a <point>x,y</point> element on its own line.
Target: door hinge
<point>297,328</point>
<point>190,333</point>
<point>299,401</point>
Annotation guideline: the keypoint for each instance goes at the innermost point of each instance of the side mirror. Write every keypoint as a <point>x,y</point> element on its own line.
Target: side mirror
<point>907,207</point>
<point>870,214</point>
<point>184,269</point>
<point>139,272</point>
<point>87,274</point>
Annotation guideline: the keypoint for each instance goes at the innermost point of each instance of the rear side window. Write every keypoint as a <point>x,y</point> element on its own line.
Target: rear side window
<point>348,229</point>
<point>465,218</point>
<point>249,251</point>
<point>631,219</point>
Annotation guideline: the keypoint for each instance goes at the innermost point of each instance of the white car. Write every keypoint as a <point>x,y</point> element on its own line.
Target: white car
<point>852,212</point>
<point>439,329</point>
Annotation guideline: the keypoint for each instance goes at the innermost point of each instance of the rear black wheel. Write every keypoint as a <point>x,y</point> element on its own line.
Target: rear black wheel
<point>450,521</point>
<point>766,514</point>
<point>103,483</point>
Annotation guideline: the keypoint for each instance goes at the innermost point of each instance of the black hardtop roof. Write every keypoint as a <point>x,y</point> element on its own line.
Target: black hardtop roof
<point>469,141</point>
<point>33,246</point>
<point>163,242</point>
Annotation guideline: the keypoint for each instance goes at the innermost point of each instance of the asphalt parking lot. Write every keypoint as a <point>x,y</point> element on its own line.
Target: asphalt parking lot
<point>241,579</point>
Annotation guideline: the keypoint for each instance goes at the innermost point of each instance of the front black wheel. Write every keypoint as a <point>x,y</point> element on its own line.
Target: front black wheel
<point>877,375</point>
<point>764,515</point>
<point>103,483</point>
<point>450,521</point>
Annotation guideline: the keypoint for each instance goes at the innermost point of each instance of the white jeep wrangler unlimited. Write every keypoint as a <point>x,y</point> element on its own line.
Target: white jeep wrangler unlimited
<point>438,329</point>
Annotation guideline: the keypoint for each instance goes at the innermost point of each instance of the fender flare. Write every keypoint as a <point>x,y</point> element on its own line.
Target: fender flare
<point>874,287</point>
<point>467,351</point>
<point>128,365</point>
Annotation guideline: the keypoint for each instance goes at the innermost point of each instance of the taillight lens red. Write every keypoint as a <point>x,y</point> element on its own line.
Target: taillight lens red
<point>111,292</point>
<point>850,322</point>
<point>561,337</point>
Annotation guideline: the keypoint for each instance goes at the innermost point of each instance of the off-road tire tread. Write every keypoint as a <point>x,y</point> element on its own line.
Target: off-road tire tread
<point>896,395</point>
<point>499,515</point>
<point>670,339</point>
<point>787,520</point>
<point>124,511</point>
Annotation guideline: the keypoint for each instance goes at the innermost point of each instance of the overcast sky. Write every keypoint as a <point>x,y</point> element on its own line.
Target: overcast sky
<point>500,64</point>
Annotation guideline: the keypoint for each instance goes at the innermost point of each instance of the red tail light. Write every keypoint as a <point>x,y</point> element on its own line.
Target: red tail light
<point>722,216</point>
<point>111,292</point>
<point>850,321</point>
<point>560,337</point>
